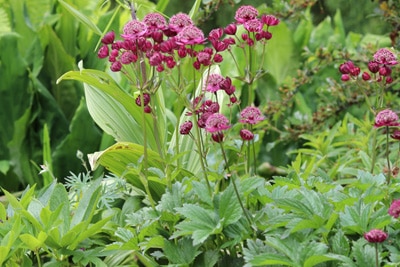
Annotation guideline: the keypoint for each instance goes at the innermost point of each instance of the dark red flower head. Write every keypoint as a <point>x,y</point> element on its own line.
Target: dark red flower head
<point>375,236</point>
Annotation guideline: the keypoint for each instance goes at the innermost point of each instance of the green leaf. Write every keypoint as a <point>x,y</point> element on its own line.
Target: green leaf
<point>183,252</point>
<point>340,33</point>
<point>3,254</point>
<point>355,218</point>
<point>321,34</point>
<point>87,232</point>
<point>85,139</point>
<point>281,61</point>
<point>47,159</point>
<point>113,109</point>
<point>122,159</point>
<point>3,212</point>
<point>5,25</point>
<point>303,31</point>
<point>229,207</point>
<point>270,259</point>
<point>194,9</point>
<point>317,259</point>
<point>363,253</point>
<point>162,5</point>
<point>87,204</point>
<point>201,223</point>
<point>340,244</point>
<point>81,17</point>
<point>32,242</point>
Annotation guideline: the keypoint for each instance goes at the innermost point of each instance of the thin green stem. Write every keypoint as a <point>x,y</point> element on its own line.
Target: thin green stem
<point>234,185</point>
<point>376,255</point>
<point>38,258</point>
<point>387,155</point>
<point>145,182</point>
<point>199,146</point>
<point>373,151</point>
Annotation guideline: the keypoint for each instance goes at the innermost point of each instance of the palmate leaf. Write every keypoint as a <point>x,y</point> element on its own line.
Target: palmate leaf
<point>182,252</point>
<point>200,225</point>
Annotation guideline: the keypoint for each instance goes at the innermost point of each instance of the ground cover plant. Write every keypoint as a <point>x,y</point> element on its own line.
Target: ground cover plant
<point>222,155</point>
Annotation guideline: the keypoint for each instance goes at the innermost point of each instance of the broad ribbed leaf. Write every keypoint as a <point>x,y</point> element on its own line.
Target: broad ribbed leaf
<point>123,158</point>
<point>113,109</point>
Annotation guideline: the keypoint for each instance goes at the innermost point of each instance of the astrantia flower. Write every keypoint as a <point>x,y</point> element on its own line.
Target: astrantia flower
<point>116,66</point>
<point>185,127</point>
<point>376,236</point>
<point>253,25</point>
<point>386,118</point>
<point>190,35</point>
<point>245,13</point>
<point>179,21</point>
<point>214,82</point>
<point>108,38</point>
<point>394,209</point>
<point>269,20</point>
<point>396,134</point>
<point>246,135</point>
<point>385,56</point>
<point>217,137</point>
<point>155,21</point>
<point>251,115</point>
<point>134,29</point>
<point>103,52</point>
<point>146,99</point>
<point>349,68</point>
<point>217,122</point>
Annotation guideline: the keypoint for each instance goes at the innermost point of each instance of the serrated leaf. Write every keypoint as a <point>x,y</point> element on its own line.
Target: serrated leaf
<point>201,223</point>
<point>183,252</point>
<point>340,244</point>
<point>230,210</point>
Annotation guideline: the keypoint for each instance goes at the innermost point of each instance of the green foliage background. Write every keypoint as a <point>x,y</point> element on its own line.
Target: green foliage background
<point>40,40</point>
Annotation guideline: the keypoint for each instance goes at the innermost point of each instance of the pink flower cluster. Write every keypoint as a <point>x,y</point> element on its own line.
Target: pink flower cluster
<point>257,28</point>
<point>163,43</point>
<point>380,67</point>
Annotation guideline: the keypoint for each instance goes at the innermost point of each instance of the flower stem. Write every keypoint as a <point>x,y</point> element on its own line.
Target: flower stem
<point>373,151</point>
<point>199,146</point>
<point>387,155</point>
<point>235,187</point>
<point>376,255</point>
